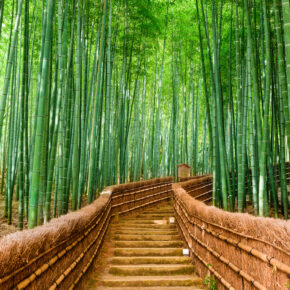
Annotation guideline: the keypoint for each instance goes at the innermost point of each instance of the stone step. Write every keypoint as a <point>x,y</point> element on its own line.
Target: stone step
<point>150,260</point>
<point>154,216</point>
<point>148,254</point>
<point>148,218</point>
<point>141,252</point>
<point>164,205</point>
<point>157,211</point>
<point>160,208</point>
<point>148,237</point>
<point>165,208</point>
<point>151,269</point>
<point>149,244</point>
<point>151,288</point>
<point>138,226</point>
<point>133,231</point>
<point>151,281</point>
<point>143,221</point>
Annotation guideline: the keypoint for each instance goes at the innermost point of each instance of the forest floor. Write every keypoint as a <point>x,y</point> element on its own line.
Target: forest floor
<point>250,208</point>
<point>6,229</point>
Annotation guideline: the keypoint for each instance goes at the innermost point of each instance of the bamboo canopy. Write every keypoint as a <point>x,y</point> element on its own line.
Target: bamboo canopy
<point>95,93</point>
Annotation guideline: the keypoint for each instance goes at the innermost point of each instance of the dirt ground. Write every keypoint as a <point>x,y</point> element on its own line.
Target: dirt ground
<point>250,208</point>
<point>6,229</point>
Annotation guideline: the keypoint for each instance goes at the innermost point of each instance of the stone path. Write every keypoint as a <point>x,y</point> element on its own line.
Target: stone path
<point>147,254</point>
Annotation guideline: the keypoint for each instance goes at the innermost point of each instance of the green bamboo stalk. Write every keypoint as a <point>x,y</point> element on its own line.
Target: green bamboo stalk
<point>9,65</point>
<point>282,66</point>
<point>95,115</point>
<point>223,160</point>
<point>1,14</point>
<point>34,191</point>
<point>286,21</point>
<point>76,140</point>
<point>252,143</point>
<point>107,141</point>
<point>23,138</point>
<point>263,207</point>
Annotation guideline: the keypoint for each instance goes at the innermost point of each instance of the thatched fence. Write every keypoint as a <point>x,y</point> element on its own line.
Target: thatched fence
<point>59,253</point>
<point>239,251</point>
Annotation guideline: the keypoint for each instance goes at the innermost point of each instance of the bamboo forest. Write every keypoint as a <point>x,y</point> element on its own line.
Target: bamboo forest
<point>144,144</point>
<point>97,93</point>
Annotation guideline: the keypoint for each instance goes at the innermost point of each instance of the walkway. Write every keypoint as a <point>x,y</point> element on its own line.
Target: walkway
<point>145,250</point>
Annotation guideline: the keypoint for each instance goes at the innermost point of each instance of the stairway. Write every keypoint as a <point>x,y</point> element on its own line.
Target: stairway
<point>148,252</point>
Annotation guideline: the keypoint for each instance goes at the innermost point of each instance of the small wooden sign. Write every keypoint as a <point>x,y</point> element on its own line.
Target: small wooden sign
<point>183,170</point>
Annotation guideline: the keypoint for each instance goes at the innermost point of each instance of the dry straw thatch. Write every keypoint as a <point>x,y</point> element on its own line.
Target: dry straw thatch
<point>241,248</point>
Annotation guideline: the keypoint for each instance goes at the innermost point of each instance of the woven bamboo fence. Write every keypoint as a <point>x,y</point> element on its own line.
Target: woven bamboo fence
<point>58,254</point>
<point>238,251</point>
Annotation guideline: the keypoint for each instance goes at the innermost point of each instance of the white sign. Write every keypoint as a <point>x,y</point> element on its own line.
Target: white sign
<point>185,252</point>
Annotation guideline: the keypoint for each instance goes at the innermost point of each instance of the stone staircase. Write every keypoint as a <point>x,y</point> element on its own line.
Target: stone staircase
<point>148,254</point>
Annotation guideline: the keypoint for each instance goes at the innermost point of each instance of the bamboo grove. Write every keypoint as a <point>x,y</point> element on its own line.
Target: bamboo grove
<point>95,93</point>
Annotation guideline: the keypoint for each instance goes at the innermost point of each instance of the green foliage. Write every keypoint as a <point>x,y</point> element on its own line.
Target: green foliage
<point>210,282</point>
<point>96,95</point>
